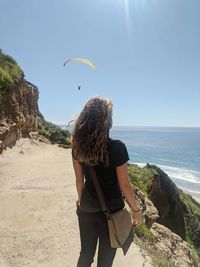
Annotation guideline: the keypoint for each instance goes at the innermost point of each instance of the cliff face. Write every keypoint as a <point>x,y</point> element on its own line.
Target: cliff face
<point>176,210</point>
<point>165,196</point>
<point>19,113</point>
<point>171,218</point>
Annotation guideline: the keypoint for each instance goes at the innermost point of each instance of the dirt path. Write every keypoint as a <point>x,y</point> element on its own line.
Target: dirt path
<point>38,224</point>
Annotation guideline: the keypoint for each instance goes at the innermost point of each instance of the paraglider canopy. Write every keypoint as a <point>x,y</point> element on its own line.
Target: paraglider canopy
<point>81,59</point>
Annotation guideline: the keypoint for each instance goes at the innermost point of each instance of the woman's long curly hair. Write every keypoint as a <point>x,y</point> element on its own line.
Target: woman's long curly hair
<point>91,132</point>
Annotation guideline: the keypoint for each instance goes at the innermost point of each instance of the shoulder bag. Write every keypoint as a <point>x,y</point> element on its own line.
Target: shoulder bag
<point>120,225</point>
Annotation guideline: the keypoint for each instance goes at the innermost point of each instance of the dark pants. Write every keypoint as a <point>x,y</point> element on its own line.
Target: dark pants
<point>93,227</point>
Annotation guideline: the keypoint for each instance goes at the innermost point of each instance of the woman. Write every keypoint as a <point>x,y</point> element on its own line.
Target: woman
<point>92,146</point>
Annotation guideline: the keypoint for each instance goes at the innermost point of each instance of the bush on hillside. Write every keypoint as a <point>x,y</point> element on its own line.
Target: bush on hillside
<point>192,220</point>
<point>10,73</point>
<point>141,177</point>
<point>53,132</point>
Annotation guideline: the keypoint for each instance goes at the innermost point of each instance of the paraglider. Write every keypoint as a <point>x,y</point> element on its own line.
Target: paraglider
<point>82,60</point>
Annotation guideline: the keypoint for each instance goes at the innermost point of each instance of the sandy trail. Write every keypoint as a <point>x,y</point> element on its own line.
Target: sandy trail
<point>38,223</point>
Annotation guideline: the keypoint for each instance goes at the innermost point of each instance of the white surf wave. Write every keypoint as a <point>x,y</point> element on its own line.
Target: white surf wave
<point>190,191</point>
<point>178,173</point>
<point>140,164</point>
<point>182,174</point>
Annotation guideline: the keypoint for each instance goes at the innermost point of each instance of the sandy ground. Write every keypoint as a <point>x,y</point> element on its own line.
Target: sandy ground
<point>38,223</point>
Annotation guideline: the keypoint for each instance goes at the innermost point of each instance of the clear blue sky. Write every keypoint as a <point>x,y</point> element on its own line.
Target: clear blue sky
<point>147,54</point>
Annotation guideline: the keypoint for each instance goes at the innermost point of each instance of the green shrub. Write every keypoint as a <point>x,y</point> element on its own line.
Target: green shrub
<point>141,177</point>
<point>191,210</point>
<point>10,73</point>
<point>5,79</point>
<point>53,132</point>
<point>143,232</point>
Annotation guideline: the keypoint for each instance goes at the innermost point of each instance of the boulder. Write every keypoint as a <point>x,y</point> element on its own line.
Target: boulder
<point>174,246</point>
<point>149,211</point>
<point>20,113</point>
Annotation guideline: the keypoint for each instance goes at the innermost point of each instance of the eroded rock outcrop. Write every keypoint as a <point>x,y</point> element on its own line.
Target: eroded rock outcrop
<point>174,246</point>
<point>165,196</point>
<point>149,211</point>
<point>162,203</point>
<point>19,113</point>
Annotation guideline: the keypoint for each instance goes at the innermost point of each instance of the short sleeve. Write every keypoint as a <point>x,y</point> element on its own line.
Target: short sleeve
<point>120,153</point>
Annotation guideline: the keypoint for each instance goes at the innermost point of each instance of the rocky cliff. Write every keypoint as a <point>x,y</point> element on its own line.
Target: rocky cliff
<point>171,229</point>
<point>178,211</point>
<point>19,113</point>
<point>165,196</point>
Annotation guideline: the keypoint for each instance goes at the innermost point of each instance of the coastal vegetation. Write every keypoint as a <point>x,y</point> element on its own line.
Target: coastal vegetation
<point>10,73</point>
<point>141,177</point>
<point>53,132</point>
<point>192,220</point>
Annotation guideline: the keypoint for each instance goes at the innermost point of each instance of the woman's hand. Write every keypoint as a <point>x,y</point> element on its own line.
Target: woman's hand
<point>77,203</point>
<point>137,218</point>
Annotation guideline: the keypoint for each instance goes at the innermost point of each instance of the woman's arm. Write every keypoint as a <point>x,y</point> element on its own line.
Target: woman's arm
<point>126,188</point>
<point>79,178</point>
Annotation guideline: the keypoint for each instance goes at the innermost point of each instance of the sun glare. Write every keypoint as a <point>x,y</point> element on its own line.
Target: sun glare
<point>127,17</point>
<point>131,7</point>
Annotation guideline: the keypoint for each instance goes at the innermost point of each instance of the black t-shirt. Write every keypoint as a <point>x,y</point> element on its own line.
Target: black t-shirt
<point>107,177</point>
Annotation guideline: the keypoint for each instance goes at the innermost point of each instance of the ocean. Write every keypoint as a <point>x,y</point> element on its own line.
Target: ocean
<point>175,150</point>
